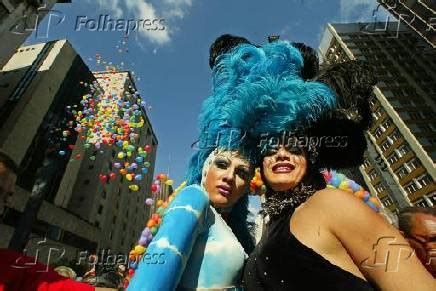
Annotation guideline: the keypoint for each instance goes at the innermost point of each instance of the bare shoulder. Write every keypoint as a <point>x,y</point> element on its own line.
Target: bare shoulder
<point>344,207</point>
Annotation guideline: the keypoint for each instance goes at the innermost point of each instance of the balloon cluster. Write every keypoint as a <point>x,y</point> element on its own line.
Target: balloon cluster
<point>152,225</point>
<point>160,180</point>
<point>110,116</point>
<point>340,181</point>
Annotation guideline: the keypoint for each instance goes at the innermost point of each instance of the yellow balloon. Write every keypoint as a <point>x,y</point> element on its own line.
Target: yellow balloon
<point>134,187</point>
<point>129,177</point>
<point>139,249</point>
<point>129,154</point>
<point>120,155</point>
<point>169,182</point>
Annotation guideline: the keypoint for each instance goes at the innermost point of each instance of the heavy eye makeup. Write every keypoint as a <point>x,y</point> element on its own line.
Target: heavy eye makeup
<point>243,172</point>
<point>221,163</point>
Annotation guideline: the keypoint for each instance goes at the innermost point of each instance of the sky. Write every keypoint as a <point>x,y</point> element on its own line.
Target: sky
<point>171,65</point>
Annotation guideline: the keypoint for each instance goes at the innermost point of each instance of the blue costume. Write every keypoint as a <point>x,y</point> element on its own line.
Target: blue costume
<point>199,250</point>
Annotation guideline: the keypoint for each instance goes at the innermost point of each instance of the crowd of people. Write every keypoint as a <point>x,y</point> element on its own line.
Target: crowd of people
<point>274,109</point>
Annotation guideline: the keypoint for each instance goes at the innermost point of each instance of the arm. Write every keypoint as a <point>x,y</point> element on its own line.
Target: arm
<point>378,249</point>
<point>161,267</point>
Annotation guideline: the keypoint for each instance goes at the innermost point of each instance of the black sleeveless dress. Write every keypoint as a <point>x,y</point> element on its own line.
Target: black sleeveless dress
<point>281,262</point>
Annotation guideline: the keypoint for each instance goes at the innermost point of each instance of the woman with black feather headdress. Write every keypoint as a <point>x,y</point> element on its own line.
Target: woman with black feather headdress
<point>317,238</point>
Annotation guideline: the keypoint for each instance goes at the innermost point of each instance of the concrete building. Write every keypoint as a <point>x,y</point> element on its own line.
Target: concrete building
<point>18,19</point>
<point>400,163</point>
<point>419,15</point>
<point>112,207</point>
<point>37,84</point>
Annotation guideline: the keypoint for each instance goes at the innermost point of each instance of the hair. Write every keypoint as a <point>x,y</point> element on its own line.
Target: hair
<point>8,162</point>
<point>405,223</point>
<point>224,44</point>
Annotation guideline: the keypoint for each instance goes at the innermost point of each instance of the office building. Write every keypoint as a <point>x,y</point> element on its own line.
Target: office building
<point>400,162</point>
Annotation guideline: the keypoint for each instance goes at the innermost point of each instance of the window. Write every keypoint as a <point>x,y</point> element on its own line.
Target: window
<point>429,114</point>
<point>412,165</point>
<point>97,223</point>
<point>366,163</point>
<point>385,145</point>
<point>395,135</point>
<point>90,167</point>
<point>387,201</point>
<point>432,197</point>
<point>411,187</point>
<point>392,158</point>
<point>386,125</point>
<point>401,172</point>
<point>402,150</point>
<point>424,127</point>
<point>380,188</point>
<point>114,219</point>
<point>415,115</point>
<point>372,175</point>
<point>377,114</point>
<point>423,180</point>
<point>378,132</point>
<point>100,209</point>
<point>103,194</point>
<point>421,203</point>
<point>86,182</point>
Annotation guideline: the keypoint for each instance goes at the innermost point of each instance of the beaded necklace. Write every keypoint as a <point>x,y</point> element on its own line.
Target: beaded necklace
<point>278,202</point>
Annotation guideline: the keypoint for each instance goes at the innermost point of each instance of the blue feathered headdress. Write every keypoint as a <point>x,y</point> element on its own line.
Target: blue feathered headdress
<point>256,90</point>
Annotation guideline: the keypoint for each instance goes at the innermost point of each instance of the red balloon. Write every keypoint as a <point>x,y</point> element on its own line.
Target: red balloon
<point>103,178</point>
<point>153,188</point>
<point>78,156</point>
<point>71,146</point>
<point>112,176</point>
<point>147,148</point>
<point>155,217</point>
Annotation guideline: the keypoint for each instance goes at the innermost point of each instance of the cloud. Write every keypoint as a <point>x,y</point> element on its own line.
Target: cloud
<point>176,8</point>
<point>111,5</point>
<point>144,10</point>
<point>361,11</point>
<point>170,11</point>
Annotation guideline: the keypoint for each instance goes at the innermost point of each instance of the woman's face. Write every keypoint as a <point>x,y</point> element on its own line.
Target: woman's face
<point>227,179</point>
<point>283,169</point>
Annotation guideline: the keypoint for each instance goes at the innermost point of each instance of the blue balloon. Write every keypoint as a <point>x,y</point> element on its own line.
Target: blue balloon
<point>144,170</point>
<point>139,159</point>
<point>138,177</point>
<point>335,181</point>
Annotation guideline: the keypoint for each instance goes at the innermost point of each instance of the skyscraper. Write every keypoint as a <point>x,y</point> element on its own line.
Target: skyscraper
<point>419,15</point>
<point>111,205</point>
<point>399,166</point>
<point>36,85</point>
